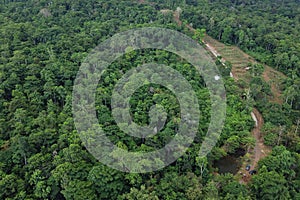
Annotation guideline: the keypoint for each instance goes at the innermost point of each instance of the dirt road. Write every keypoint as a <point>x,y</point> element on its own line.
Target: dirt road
<point>260,150</point>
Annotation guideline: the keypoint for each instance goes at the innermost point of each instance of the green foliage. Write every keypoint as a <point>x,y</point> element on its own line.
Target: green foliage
<point>10,185</point>
<point>270,185</point>
<point>171,186</point>
<point>228,188</point>
<point>199,35</point>
<point>240,23</point>
<point>107,182</point>
<point>282,161</point>
<point>44,43</point>
<point>271,134</point>
<point>142,193</point>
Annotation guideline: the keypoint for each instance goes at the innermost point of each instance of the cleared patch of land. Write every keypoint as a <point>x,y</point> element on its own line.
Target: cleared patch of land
<point>240,61</point>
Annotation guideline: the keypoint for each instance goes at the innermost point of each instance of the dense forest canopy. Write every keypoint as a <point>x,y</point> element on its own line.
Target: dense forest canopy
<point>42,45</point>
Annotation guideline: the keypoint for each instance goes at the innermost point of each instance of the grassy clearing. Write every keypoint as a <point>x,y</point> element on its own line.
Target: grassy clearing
<point>240,60</point>
<point>234,55</point>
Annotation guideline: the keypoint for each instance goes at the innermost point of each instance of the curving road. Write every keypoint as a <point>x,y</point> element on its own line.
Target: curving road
<point>260,150</point>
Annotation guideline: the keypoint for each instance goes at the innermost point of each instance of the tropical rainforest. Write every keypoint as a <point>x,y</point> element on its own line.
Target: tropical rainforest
<point>42,46</point>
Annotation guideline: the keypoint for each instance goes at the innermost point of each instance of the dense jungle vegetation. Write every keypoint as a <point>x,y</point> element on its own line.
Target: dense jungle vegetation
<point>42,45</point>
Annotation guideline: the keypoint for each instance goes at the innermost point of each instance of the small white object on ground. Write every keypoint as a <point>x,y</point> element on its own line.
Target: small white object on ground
<point>217,77</point>
<point>254,119</point>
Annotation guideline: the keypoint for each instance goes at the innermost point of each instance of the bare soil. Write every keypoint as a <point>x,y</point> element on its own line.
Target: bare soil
<point>240,60</point>
<point>259,152</point>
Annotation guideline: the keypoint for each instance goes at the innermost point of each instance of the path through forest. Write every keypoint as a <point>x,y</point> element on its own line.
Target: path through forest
<point>260,150</point>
